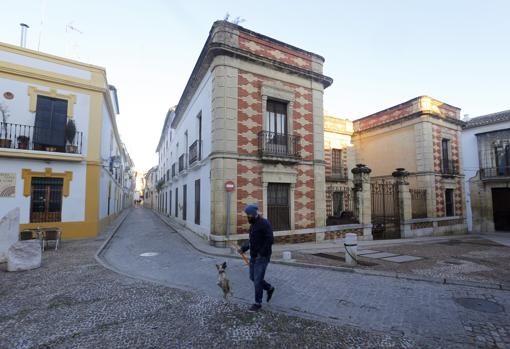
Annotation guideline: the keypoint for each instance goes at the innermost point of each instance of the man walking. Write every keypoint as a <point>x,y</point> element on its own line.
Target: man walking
<point>261,240</point>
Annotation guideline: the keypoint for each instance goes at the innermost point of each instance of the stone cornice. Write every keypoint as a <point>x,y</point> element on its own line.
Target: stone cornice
<point>213,49</point>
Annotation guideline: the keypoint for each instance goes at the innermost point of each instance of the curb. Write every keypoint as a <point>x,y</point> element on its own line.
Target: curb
<point>116,225</point>
<point>396,275</point>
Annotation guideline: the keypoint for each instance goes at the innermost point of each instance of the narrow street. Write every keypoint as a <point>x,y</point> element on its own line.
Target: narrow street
<point>369,302</point>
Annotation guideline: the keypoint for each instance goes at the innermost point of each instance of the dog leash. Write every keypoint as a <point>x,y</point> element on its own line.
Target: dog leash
<point>246,261</point>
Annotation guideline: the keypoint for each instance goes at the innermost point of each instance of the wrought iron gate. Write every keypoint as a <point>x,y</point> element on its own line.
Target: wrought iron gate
<point>385,209</point>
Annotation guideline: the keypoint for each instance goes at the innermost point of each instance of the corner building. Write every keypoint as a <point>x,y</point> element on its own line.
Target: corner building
<point>254,109</point>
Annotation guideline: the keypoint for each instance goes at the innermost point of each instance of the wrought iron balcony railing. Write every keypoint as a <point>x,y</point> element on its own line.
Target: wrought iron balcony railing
<point>17,136</point>
<point>195,152</point>
<point>280,145</point>
<point>449,167</point>
<point>337,174</point>
<point>495,172</point>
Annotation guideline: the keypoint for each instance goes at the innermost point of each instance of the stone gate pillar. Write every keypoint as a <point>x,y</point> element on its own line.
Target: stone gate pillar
<point>404,201</point>
<point>361,179</point>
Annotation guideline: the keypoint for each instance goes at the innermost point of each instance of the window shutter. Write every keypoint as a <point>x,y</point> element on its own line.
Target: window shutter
<point>50,121</point>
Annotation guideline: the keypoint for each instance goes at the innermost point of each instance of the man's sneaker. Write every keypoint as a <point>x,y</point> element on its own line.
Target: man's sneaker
<point>255,307</point>
<point>269,294</point>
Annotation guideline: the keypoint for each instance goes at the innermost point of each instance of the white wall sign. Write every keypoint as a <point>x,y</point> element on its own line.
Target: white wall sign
<point>7,185</point>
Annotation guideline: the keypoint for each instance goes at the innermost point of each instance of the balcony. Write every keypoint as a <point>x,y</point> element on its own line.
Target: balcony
<point>499,172</point>
<point>24,137</point>
<point>337,174</point>
<point>449,168</point>
<point>279,147</point>
<point>195,152</point>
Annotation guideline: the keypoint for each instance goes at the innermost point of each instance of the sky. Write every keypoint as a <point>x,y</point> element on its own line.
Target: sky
<point>380,53</point>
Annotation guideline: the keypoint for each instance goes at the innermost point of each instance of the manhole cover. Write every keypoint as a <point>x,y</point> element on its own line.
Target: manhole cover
<point>149,254</point>
<point>454,262</point>
<point>482,305</point>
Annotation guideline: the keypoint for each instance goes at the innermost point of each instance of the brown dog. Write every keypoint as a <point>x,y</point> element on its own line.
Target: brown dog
<point>223,281</point>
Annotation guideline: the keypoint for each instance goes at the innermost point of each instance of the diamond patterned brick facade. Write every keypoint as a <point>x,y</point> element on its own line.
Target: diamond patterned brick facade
<point>274,51</point>
<point>249,189</point>
<point>337,187</point>
<point>438,133</point>
<point>422,104</point>
<point>251,109</point>
<point>249,113</point>
<point>304,201</point>
<point>328,158</point>
<point>250,123</point>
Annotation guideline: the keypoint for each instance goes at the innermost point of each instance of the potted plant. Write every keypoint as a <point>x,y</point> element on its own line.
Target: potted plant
<point>70,135</point>
<point>23,142</point>
<point>5,142</point>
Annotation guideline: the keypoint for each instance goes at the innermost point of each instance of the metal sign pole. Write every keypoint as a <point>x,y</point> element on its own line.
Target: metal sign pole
<point>228,214</point>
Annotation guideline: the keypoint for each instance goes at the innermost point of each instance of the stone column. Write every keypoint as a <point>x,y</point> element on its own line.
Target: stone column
<point>223,148</point>
<point>404,202</point>
<point>361,179</point>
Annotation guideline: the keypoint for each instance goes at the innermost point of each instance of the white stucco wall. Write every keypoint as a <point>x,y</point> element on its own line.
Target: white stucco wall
<point>73,206</point>
<point>36,63</point>
<point>18,107</point>
<point>200,103</point>
<point>470,160</point>
<point>109,147</point>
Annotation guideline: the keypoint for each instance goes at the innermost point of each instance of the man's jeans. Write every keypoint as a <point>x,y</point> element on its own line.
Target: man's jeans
<point>257,272</point>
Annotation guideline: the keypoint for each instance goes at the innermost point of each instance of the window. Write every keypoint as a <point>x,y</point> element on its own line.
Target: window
<point>46,200</point>
<point>338,203</point>
<point>176,202</point>
<point>181,163</point>
<point>167,175</point>
<point>336,161</point>
<point>199,117</point>
<point>197,201</point>
<point>184,201</point>
<point>502,155</point>
<point>170,203</point>
<point>186,147</point>
<point>449,204</point>
<point>276,117</point>
<point>50,123</point>
<point>278,210</point>
<point>445,151</point>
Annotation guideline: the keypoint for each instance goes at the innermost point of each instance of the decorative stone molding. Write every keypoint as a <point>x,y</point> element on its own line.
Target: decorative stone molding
<point>33,92</point>
<point>361,176</point>
<point>401,175</point>
<point>27,174</point>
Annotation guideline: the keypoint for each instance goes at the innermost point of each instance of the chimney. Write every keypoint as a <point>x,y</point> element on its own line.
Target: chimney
<point>24,28</point>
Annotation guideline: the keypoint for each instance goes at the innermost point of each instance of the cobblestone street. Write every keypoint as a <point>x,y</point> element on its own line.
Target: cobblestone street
<point>73,301</point>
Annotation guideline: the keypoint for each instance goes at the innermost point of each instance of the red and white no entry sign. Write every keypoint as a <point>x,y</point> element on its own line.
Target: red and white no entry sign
<point>229,186</point>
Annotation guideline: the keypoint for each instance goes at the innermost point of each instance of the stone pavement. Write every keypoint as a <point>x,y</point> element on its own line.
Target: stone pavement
<point>427,313</point>
<point>73,302</point>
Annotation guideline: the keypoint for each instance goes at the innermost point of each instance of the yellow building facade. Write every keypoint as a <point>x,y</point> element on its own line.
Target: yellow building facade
<point>59,144</point>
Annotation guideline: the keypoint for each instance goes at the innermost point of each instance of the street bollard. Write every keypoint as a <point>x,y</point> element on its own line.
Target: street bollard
<point>351,248</point>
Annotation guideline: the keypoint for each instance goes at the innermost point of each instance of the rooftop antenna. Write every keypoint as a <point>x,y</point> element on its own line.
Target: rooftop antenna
<point>236,20</point>
<point>43,12</point>
<point>70,29</point>
<point>23,42</point>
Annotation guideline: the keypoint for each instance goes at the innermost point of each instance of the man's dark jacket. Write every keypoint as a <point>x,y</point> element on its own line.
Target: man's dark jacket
<point>261,238</point>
